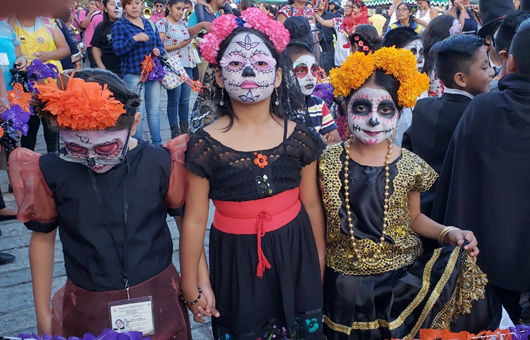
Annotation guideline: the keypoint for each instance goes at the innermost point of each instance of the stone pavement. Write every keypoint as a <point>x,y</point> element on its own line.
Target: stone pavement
<point>17,313</point>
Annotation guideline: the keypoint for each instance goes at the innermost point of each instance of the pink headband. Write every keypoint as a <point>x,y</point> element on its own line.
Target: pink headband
<point>224,25</point>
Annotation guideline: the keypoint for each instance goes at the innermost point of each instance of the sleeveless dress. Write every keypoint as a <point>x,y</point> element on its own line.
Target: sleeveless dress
<point>286,303</point>
<point>396,295</point>
<point>470,24</point>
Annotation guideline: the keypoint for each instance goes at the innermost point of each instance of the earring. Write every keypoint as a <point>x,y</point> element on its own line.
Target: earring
<point>276,102</point>
<point>222,102</point>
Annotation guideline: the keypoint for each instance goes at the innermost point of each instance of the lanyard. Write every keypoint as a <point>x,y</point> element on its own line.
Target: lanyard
<point>121,255</point>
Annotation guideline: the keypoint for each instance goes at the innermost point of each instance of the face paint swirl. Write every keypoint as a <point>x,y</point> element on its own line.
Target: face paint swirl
<point>305,68</point>
<point>372,115</point>
<point>98,150</point>
<point>248,69</point>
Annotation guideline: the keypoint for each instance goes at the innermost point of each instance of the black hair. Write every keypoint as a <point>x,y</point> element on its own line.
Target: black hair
<point>437,30</point>
<point>358,3</point>
<point>521,48</point>
<point>188,2</point>
<point>116,86</point>
<point>159,2</point>
<point>226,109</point>
<point>368,34</point>
<point>455,54</point>
<point>400,37</point>
<point>378,10</point>
<point>308,3</point>
<point>297,49</point>
<point>507,29</point>
<point>171,3</point>
<point>386,81</point>
<point>107,23</point>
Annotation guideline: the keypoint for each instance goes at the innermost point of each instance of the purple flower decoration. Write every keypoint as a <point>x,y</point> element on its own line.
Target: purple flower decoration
<point>520,332</point>
<point>324,92</point>
<point>158,72</point>
<point>37,71</point>
<point>18,118</point>
<point>107,334</point>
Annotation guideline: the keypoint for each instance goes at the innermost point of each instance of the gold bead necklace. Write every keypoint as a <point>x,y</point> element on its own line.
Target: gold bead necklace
<point>386,199</point>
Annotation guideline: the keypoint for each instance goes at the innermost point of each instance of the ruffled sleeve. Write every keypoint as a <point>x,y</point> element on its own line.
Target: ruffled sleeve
<point>178,182</point>
<point>33,197</point>
<point>200,155</point>
<point>309,143</point>
<point>424,175</point>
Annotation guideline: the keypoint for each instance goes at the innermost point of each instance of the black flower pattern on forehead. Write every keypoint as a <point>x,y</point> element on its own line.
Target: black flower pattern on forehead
<point>247,44</point>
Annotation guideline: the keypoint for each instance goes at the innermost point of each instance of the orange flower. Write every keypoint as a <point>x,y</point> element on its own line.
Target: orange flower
<point>19,97</point>
<point>400,63</point>
<point>81,106</point>
<point>261,160</point>
<point>147,67</point>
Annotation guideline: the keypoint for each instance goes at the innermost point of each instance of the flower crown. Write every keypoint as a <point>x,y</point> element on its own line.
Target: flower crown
<point>79,105</point>
<point>400,63</point>
<point>224,25</point>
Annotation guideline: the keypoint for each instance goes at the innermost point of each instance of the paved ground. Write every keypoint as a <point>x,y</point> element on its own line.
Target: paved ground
<point>16,298</point>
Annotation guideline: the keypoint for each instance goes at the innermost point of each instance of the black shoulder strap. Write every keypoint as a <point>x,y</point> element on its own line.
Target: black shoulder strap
<point>285,124</point>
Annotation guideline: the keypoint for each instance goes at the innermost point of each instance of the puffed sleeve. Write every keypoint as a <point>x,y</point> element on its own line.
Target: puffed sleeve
<point>423,175</point>
<point>33,197</point>
<point>178,182</point>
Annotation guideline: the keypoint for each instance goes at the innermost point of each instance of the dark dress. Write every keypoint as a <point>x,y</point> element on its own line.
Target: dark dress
<point>287,302</point>
<point>398,294</point>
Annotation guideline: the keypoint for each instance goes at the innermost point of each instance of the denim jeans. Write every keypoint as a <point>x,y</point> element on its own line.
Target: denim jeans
<point>178,102</point>
<point>150,97</point>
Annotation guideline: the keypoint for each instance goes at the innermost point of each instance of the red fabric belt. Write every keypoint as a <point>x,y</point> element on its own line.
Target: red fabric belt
<point>257,217</point>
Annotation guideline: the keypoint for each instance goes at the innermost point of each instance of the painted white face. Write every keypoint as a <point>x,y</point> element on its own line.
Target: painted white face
<point>99,150</point>
<point>119,9</point>
<point>416,47</point>
<point>305,68</point>
<point>248,69</point>
<point>372,115</point>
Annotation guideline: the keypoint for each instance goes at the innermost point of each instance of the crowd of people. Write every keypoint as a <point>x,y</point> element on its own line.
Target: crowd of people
<point>356,158</point>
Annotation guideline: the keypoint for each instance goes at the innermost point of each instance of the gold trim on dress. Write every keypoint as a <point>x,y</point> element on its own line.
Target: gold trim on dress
<point>422,294</point>
<point>470,286</point>
<point>413,175</point>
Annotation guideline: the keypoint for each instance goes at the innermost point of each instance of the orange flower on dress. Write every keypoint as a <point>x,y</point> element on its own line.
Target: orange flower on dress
<point>81,106</point>
<point>260,160</point>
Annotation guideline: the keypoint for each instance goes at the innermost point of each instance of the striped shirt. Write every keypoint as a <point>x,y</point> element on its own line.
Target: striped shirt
<point>321,118</point>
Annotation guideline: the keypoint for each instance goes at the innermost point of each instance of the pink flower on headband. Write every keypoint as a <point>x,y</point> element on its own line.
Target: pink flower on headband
<point>224,25</point>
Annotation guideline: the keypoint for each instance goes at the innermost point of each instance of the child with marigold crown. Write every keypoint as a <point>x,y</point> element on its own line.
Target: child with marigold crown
<point>377,282</point>
<point>108,194</point>
<point>259,168</point>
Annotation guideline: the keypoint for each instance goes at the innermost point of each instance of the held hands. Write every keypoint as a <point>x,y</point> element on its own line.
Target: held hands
<point>205,305</point>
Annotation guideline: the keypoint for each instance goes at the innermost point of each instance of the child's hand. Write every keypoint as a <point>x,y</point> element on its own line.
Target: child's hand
<point>210,309</point>
<point>458,237</point>
<point>197,316</point>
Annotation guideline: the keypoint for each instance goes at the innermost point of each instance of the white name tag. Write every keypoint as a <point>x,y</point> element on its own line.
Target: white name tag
<point>4,60</point>
<point>136,315</point>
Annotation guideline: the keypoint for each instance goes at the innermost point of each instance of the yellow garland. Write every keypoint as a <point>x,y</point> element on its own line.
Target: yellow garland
<point>400,63</point>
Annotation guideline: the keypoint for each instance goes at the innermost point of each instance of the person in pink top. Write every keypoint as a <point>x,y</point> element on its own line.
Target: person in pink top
<point>159,8</point>
<point>92,19</point>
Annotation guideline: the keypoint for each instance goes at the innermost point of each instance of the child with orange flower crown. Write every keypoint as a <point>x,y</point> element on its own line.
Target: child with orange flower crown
<point>377,282</point>
<point>108,194</point>
<point>260,170</point>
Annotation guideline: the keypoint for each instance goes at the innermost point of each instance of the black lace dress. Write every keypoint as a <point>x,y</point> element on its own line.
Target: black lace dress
<point>287,302</point>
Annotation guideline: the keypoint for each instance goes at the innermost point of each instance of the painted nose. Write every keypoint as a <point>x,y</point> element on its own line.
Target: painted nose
<point>373,122</point>
<point>248,72</point>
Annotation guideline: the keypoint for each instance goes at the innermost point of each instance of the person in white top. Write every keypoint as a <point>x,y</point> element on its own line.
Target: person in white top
<point>426,13</point>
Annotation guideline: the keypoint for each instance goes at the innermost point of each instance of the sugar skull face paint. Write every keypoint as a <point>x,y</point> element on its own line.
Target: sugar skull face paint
<point>305,68</point>
<point>119,9</point>
<point>99,150</point>
<point>416,47</point>
<point>372,115</point>
<point>248,69</point>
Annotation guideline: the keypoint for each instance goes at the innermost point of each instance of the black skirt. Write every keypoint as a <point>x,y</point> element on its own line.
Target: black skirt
<point>437,291</point>
<point>286,303</point>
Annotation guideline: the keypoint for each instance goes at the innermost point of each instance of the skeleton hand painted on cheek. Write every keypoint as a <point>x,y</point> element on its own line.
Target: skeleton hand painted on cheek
<point>372,115</point>
<point>99,150</point>
<point>248,69</point>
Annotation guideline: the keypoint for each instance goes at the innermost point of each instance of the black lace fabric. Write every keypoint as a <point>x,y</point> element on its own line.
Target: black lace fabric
<point>249,175</point>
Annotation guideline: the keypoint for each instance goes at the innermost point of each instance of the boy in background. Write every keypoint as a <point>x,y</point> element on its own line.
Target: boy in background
<point>463,67</point>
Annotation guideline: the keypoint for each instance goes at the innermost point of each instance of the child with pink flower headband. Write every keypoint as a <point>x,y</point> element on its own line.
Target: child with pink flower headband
<point>259,168</point>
